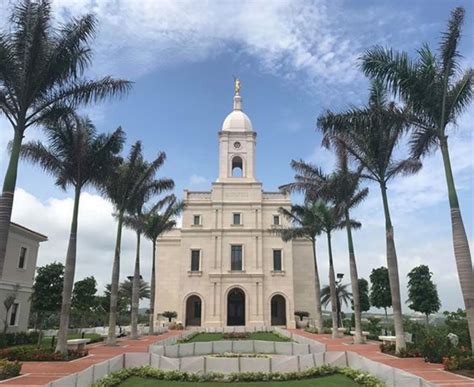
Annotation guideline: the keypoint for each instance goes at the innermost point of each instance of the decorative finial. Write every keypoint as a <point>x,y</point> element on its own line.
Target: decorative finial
<point>236,86</point>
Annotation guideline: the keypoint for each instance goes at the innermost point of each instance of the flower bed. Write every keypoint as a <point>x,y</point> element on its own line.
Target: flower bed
<point>410,351</point>
<point>234,354</point>
<point>29,353</point>
<point>360,377</point>
<point>9,369</point>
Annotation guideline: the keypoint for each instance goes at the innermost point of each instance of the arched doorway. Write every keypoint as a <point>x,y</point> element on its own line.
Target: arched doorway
<point>236,307</point>
<point>278,310</point>
<point>193,311</point>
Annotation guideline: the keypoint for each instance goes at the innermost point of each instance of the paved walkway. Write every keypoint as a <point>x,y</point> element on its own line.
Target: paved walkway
<point>434,373</point>
<point>39,373</point>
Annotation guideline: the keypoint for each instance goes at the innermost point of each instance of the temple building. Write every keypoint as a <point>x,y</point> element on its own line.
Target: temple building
<point>225,266</point>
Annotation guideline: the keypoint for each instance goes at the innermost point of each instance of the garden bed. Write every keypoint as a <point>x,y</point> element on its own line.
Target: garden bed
<point>147,375</point>
<point>263,336</point>
<point>31,353</point>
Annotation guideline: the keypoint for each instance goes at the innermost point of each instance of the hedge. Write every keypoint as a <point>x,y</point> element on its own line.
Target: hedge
<point>360,377</point>
<point>27,353</point>
<point>9,369</point>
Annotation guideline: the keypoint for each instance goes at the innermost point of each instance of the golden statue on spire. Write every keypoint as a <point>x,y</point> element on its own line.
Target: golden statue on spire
<point>236,85</point>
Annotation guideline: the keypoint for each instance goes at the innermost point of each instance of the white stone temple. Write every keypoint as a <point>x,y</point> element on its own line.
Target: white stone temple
<point>225,266</point>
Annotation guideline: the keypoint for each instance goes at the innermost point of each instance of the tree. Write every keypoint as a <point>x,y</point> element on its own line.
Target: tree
<point>41,75</point>
<point>332,217</point>
<point>342,187</point>
<point>370,136</point>
<point>364,295</point>
<point>422,292</point>
<point>47,288</point>
<point>136,219</point>
<point>305,223</point>
<point>436,91</point>
<point>77,157</point>
<point>84,297</point>
<point>124,189</point>
<point>157,223</point>
<point>126,291</point>
<point>169,315</point>
<point>343,296</point>
<point>380,294</point>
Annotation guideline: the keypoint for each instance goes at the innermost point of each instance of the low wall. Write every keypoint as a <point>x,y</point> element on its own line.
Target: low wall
<point>188,357</point>
<point>204,364</point>
<point>235,346</point>
<point>142,329</point>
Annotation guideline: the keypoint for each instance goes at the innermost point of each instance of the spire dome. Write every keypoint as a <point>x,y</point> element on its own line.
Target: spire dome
<point>237,120</point>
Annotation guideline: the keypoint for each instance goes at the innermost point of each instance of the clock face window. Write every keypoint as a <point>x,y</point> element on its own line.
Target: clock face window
<point>237,145</point>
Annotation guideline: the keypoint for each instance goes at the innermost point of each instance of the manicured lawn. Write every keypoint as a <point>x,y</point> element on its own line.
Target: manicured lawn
<point>326,381</point>
<point>264,336</point>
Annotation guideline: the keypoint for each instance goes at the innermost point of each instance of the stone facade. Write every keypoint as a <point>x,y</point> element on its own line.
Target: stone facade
<point>18,275</point>
<point>225,266</point>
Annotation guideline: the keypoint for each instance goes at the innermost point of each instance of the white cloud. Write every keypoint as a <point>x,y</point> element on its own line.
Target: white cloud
<point>96,235</point>
<point>198,181</point>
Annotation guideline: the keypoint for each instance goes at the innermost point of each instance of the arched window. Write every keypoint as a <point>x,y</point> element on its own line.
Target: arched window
<point>237,167</point>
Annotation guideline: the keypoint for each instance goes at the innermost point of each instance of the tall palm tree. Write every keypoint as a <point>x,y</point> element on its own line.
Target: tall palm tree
<point>126,290</point>
<point>305,223</point>
<point>342,187</point>
<point>332,218</point>
<point>123,189</point>
<point>370,135</point>
<point>136,220</point>
<point>437,91</point>
<point>157,223</point>
<point>76,156</point>
<point>41,75</point>
<point>343,297</point>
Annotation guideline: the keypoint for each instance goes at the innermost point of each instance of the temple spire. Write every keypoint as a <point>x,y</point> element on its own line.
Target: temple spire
<point>237,99</point>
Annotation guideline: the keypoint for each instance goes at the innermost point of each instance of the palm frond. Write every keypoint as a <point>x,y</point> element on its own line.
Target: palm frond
<point>450,41</point>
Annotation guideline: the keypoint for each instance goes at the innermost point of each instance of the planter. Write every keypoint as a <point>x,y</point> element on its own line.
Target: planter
<point>302,324</point>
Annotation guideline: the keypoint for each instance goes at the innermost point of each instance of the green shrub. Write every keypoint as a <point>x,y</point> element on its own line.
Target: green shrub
<point>29,353</point>
<point>360,377</point>
<point>235,335</point>
<point>301,314</point>
<point>17,338</point>
<point>9,369</point>
<point>374,327</point>
<point>454,363</point>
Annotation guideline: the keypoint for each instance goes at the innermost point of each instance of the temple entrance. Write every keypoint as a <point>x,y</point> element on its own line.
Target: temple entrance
<point>278,310</point>
<point>193,311</point>
<point>236,307</point>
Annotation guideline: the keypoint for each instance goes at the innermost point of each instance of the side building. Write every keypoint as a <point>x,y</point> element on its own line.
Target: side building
<point>226,266</point>
<point>18,275</point>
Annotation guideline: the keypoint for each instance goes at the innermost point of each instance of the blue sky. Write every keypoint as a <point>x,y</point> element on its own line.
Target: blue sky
<point>295,59</point>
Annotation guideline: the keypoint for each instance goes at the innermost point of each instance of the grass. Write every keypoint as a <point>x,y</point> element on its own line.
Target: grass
<point>264,336</point>
<point>46,341</point>
<point>324,381</point>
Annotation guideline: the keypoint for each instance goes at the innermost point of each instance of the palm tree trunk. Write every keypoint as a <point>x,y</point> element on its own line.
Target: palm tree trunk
<point>68,283</point>
<point>317,284</point>
<point>135,293</point>
<point>114,286</point>
<point>6,200</point>
<point>462,253</point>
<point>332,290</point>
<point>358,337</point>
<point>392,266</point>
<point>151,329</point>
<point>386,320</point>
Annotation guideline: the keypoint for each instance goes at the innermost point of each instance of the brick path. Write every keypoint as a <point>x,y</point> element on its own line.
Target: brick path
<point>38,373</point>
<point>434,373</point>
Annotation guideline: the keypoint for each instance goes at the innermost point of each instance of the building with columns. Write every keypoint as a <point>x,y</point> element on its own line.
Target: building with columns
<point>225,266</point>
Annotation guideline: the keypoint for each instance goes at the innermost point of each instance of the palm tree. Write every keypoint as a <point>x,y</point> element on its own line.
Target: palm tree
<point>342,186</point>
<point>332,218</point>
<point>123,189</point>
<point>305,223</point>
<point>126,290</point>
<point>157,223</point>
<point>41,75</point>
<point>77,157</point>
<point>370,135</point>
<point>437,91</point>
<point>343,297</point>
<point>136,220</point>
